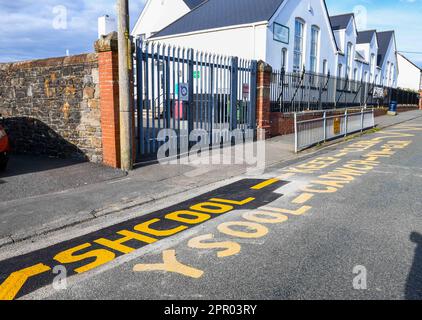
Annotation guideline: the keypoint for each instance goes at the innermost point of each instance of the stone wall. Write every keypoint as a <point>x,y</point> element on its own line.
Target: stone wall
<point>51,106</point>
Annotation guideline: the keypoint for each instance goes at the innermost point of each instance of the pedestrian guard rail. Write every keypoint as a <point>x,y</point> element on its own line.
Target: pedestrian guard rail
<point>310,132</point>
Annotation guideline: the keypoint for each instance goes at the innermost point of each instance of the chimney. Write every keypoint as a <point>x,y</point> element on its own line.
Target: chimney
<point>106,25</point>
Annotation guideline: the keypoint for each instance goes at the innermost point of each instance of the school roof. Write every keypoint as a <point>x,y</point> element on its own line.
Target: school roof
<point>359,56</point>
<point>365,36</point>
<point>341,22</point>
<point>384,39</point>
<point>193,3</point>
<point>408,60</point>
<point>212,14</point>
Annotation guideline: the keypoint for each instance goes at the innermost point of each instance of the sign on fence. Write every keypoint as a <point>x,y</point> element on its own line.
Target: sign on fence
<point>184,92</point>
<point>245,90</point>
<point>337,126</point>
<point>378,93</point>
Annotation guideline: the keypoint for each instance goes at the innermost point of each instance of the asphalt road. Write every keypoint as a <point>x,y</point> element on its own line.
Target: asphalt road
<point>342,225</point>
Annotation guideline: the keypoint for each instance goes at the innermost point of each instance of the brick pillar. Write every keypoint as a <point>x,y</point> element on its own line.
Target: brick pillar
<point>263,104</point>
<point>420,100</point>
<point>106,48</point>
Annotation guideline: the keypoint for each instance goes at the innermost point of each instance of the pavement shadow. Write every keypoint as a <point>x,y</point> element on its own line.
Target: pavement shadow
<point>414,280</point>
<point>37,147</point>
<point>20,164</point>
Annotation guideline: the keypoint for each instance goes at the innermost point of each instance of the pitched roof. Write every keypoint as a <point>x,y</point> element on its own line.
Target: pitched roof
<point>341,21</point>
<point>365,36</point>
<point>359,56</point>
<point>213,14</point>
<point>408,60</point>
<point>384,39</point>
<point>193,3</point>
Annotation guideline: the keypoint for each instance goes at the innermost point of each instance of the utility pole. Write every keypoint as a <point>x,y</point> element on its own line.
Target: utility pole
<point>125,66</point>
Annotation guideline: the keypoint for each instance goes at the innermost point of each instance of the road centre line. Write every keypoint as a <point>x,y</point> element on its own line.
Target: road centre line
<point>265,184</point>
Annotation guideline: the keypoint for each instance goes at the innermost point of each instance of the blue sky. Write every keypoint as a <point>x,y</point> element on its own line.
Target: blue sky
<point>36,29</point>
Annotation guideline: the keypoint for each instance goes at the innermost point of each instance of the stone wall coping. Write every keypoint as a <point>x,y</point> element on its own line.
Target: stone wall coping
<point>264,67</point>
<point>107,43</point>
<point>51,62</point>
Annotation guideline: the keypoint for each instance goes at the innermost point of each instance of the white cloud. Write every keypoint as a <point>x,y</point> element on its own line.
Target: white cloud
<point>28,31</point>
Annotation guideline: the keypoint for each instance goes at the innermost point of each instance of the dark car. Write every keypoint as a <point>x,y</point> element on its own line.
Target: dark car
<point>4,147</point>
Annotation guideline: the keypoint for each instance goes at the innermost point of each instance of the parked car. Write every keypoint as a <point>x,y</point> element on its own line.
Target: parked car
<point>4,147</point>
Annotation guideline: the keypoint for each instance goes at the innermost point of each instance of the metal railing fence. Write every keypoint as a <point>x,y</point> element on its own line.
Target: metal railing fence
<point>186,90</point>
<point>310,132</point>
<point>304,91</point>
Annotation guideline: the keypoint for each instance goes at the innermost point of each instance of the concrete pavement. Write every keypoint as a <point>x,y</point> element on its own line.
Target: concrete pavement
<point>31,176</point>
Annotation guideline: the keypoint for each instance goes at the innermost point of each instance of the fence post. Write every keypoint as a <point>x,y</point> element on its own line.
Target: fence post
<point>320,95</point>
<point>254,69</point>
<point>325,126</point>
<point>296,133</point>
<point>263,104</point>
<point>233,92</point>
<point>361,120</point>
<point>281,95</point>
<point>190,103</point>
<point>168,90</point>
<point>345,122</point>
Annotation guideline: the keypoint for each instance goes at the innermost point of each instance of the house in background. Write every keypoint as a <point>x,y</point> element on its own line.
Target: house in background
<point>367,46</point>
<point>289,34</point>
<point>387,58</point>
<point>260,30</point>
<point>351,63</point>
<point>410,76</point>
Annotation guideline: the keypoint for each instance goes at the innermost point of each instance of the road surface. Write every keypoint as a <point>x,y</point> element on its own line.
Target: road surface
<point>343,224</point>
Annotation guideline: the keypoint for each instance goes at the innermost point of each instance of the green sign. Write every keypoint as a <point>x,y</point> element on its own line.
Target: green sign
<point>196,74</point>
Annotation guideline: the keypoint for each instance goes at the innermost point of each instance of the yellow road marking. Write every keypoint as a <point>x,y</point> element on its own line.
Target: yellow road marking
<point>265,184</point>
<point>170,264</point>
<point>297,212</point>
<point>303,198</point>
<point>341,155</point>
<point>286,176</point>
<point>230,247</point>
<point>12,285</point>
<point>252,230</point>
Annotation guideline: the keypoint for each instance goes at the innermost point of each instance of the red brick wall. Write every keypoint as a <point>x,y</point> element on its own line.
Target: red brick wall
<point>109,98</point>
<point>263,107</point>
<point>109,104</point>
<point>420,100</point>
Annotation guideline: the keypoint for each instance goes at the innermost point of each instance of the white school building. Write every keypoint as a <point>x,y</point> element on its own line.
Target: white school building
<point>290,34</point>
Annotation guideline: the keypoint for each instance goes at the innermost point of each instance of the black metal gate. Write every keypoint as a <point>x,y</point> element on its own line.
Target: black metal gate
<point>179,91</point>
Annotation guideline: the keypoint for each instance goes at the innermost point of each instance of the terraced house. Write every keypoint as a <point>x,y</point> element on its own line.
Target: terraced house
<point>294,35</point>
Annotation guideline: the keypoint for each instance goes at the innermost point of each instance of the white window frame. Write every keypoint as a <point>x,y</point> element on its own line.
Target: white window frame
<point>349,59</point>
<point>325,67</point>
<point>284,58</point>
<point>314,52</point>
<point>299,48</point>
